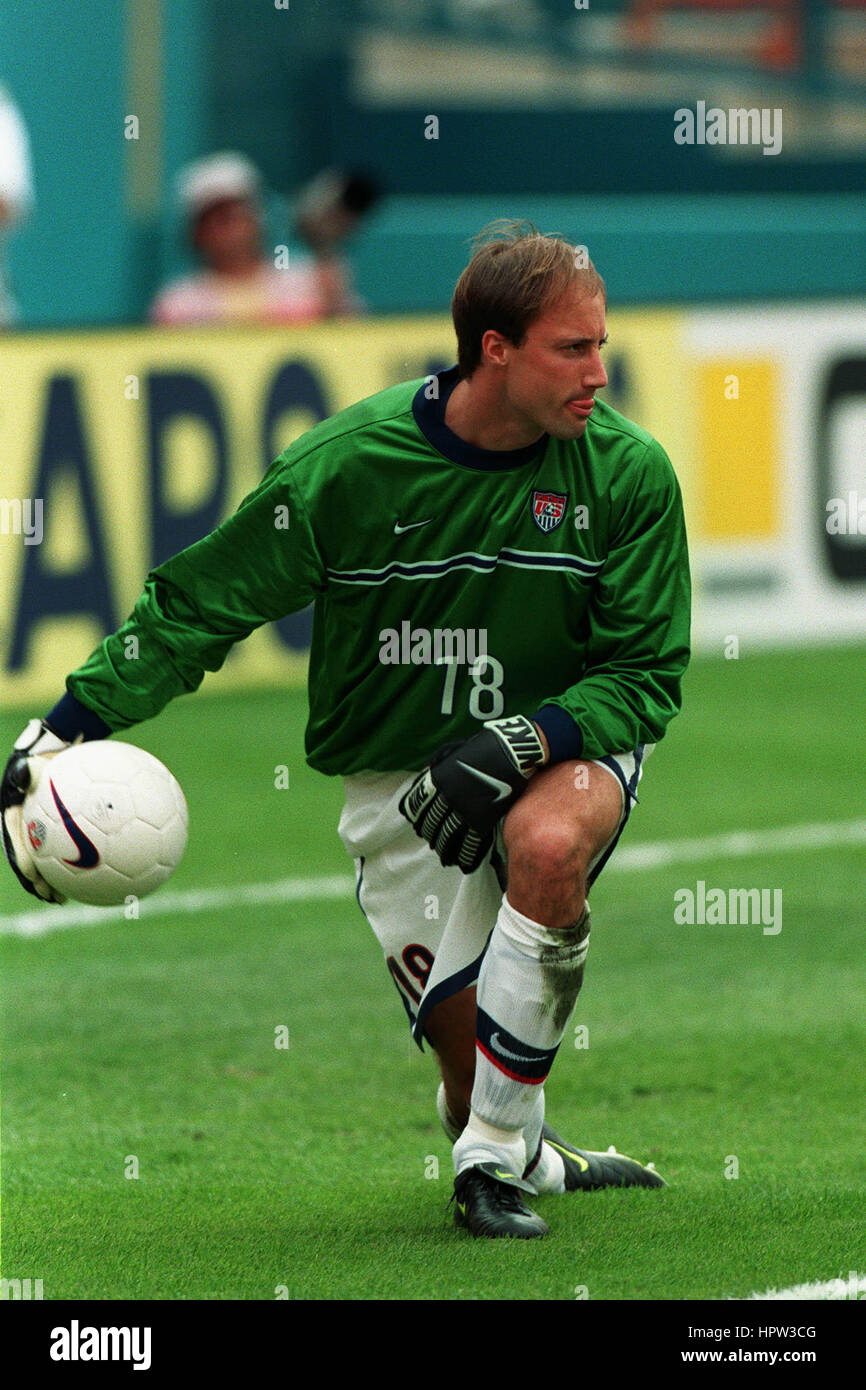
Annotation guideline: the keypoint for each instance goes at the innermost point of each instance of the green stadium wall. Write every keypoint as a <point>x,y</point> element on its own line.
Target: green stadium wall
<point>203,74</point>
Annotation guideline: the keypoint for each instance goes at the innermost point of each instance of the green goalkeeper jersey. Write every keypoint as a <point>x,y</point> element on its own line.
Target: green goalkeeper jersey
<point>451,585</point>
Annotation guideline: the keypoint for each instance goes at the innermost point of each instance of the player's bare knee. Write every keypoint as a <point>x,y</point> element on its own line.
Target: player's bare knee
<point>553,850</point>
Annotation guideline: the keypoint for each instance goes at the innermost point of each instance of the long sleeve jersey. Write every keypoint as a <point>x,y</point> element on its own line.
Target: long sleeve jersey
<point>451,584</point>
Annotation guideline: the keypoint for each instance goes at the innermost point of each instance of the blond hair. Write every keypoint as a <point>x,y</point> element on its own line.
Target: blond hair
<point>514,274</point>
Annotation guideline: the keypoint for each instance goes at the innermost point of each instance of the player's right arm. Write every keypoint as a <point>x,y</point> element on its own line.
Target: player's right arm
<point>261,564</point>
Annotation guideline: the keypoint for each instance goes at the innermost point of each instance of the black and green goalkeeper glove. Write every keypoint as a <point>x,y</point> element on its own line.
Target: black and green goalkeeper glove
<point>27,764</point>
<point>457,802</point>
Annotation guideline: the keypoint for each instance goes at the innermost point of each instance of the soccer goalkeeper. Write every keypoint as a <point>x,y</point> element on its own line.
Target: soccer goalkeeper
<point>499,569</point>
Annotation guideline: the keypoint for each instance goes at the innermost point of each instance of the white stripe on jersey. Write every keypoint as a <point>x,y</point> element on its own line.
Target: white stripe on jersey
<point>434,569</point>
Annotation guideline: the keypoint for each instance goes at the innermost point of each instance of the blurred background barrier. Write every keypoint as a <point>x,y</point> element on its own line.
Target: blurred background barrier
<point>123,447</point>
<point>462,110</point>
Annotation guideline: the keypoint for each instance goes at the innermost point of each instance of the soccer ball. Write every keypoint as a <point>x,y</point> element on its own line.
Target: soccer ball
<point>107,820</point>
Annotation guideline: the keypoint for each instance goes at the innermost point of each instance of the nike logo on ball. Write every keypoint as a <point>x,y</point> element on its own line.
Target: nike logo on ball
<point>88,854</point>
<point>411,526</point>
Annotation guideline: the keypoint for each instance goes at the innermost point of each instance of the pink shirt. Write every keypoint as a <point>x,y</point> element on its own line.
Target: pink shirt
<point>272,295</point>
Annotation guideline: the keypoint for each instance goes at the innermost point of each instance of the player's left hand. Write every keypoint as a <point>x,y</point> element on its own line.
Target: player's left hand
<point>456,803</point>
<point>29,759</point>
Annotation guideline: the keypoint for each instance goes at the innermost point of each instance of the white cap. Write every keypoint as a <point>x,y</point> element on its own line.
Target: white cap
<point>225,175</point>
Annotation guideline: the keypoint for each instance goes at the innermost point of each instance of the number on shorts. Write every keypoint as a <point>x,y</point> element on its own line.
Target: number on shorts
<point>419,962</point>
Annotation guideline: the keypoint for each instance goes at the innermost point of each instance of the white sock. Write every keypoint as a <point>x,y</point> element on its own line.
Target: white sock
<point>548,1173</point>
<point>529,981</point>
<point>532,1128</point>
<point>483,1143</point>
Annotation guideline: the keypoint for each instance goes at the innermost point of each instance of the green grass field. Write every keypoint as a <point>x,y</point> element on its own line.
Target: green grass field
<point>311,1168</point>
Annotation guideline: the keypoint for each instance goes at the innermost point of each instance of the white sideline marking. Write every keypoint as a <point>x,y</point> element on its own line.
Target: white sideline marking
<point>729,845</point>
<point>47,919</point>
<point>854,1287</point>
<point>733,843</point>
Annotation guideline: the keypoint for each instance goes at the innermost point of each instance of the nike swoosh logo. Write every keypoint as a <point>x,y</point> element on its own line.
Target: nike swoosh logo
<point>88,854</point>
<point>516,1056</point>
<point>569,1154</point>
<point>507,1177</point>
<point>411,526</point>
<point>502,788</point>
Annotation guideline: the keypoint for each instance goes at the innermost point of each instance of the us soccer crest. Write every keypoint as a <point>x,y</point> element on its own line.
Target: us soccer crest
<point>548,509</point>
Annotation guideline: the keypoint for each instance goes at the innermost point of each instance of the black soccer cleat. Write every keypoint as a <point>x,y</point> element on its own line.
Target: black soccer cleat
<point>588,1171</point>
<point>488,1205</point>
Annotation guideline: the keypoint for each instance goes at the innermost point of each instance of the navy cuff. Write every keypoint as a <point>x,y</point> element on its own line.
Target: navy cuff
<point>563,736</point>
<point>69,718</point>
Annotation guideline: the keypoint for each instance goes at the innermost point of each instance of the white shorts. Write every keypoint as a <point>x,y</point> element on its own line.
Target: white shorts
<point>433,923</point>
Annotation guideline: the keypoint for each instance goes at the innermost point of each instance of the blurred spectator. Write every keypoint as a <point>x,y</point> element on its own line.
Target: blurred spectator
<point>328,211</point>
<point>16,183</point>
<point>221,205</point>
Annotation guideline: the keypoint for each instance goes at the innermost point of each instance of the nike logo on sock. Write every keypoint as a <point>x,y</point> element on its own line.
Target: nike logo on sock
<point>515,1056</point>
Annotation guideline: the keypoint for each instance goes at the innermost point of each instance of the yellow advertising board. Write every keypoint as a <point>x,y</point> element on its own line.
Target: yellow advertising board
<point>121,447</point>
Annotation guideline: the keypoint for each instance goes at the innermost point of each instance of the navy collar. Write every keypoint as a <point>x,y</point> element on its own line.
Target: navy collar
<point>430,419</point>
